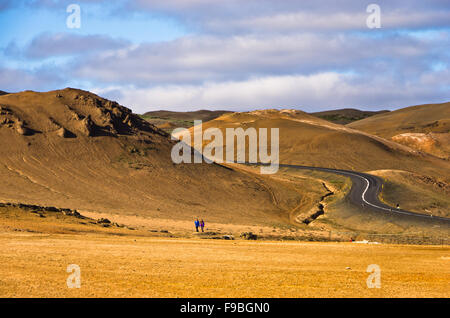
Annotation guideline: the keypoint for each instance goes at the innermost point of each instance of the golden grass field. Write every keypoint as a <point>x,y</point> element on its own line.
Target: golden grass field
<point>124,262</point>
<point>35,265</point>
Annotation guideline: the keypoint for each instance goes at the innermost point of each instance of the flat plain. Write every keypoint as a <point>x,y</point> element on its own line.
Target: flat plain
<point>34,265</point>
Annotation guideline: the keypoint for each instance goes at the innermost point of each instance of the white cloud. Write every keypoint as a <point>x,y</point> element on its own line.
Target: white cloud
<point>310,93</point>
<point>198,59</point>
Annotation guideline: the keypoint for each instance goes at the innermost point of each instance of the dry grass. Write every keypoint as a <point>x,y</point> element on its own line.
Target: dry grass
<point>119,262</point>
<point>35,266</point>
<point>415,192</point>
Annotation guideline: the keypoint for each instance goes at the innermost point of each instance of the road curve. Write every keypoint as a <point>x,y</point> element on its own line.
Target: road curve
<point>365,191</point>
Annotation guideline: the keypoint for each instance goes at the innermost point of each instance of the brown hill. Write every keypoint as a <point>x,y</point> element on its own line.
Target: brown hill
<point>346,115</point>
<point>70,148</point>
<point>423,127</point>
<point>204,115</point>
<point>168,120</point>
<point>308,140</point>
<point>3,93</point>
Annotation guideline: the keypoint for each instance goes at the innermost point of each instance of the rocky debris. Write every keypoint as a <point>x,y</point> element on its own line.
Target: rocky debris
<point>4,110</point>
<point>87,126</point>
<point>6,121</point>
<point>248,236</point>
<point>41,209</point>
<point>74,213</point>
<point>64,133</point>
<point>103,221</point>
<point>321,210</point>
<point>74,114</point>
<point>315,215</point>
<point>114,118</point>
<point>24,131</point>
<point>440,184</point>
<point>228,237</point>
<point>10,120</point>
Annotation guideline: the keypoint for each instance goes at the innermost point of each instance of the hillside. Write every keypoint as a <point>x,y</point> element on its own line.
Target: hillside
<point>169,120</point>
<point>72,149</point>
<point>204,115</point>
<point>3,93</point>
<point>346,115</point>
<point>423,127</point>
<point>310,141</point>
<point>307,140</point>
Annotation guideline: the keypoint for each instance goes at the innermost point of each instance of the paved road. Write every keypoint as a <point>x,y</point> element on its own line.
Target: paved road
<point>365,190</point>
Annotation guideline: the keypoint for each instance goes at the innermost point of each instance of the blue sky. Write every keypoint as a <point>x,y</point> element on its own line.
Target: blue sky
<point>195,54</point>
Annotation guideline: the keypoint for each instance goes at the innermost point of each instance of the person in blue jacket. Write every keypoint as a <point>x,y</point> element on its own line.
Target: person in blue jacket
<point>202,224</point>
<point>197,224</point>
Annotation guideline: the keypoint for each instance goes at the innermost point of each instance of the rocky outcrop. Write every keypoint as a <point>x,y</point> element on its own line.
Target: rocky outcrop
<point>248,236</point>
<point>37,208</point>
<point>10,120</point>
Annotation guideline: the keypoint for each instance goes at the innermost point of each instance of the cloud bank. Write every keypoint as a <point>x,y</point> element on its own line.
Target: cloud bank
<point>243,55</point>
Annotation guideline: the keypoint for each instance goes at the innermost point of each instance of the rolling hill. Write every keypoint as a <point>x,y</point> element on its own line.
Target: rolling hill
<point>169,120</point>
<point>423,127</point>
<point>308,140</point>
<point>73,149</point>
<point>311,141</point>
<point>346,115</point>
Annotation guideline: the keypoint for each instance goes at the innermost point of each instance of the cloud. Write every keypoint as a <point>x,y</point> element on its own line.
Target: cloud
<point>315,92</point>
<point>294,16</point>
<point>243,54</point>
<point>42,79</point>
<point>197,59</point>
<point>339,21</point>
<point>62,44</point>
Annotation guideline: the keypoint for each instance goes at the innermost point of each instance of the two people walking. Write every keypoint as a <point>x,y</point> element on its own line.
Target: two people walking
<point>200,224</point>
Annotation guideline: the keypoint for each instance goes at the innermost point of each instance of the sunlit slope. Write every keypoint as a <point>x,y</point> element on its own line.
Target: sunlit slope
<point>307,140</point>
<point>423,127</point>
<point>346,115</point>
<point>73,149</point>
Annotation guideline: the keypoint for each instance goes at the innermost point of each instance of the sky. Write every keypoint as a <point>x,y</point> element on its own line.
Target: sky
<point>236,55</point>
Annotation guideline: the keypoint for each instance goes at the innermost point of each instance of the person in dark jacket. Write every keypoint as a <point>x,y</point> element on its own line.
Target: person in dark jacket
<point>202,224</point>
<point>197,224</point>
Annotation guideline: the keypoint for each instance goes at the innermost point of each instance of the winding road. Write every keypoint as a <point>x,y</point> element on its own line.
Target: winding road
<point>365,191</point>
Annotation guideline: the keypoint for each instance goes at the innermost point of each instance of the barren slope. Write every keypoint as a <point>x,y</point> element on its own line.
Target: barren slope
<point>73,149</point>
<point>204,115</point>
<point>310,141</point>
<point>168,120</point>
<point>346,115</point>
<point>423,127</point>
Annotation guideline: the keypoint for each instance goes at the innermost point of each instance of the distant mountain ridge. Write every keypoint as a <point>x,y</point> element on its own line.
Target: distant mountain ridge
<point>346,115</point>
<point>203,114</point>
<point>169,120</point>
